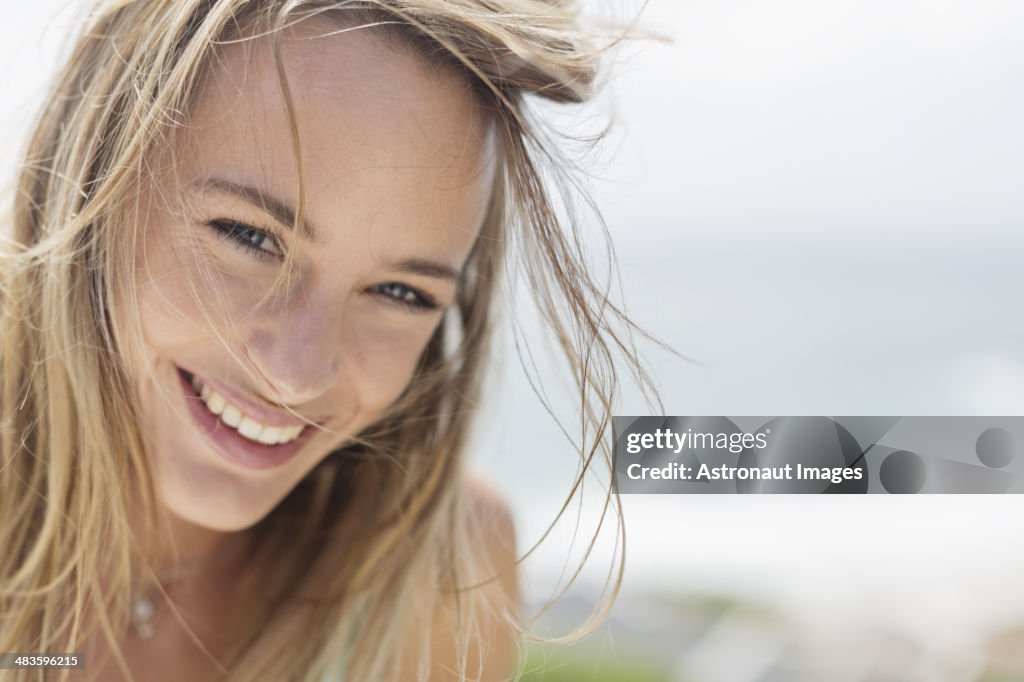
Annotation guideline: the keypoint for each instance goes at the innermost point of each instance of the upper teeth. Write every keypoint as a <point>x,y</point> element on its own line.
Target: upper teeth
<point>241,422</point>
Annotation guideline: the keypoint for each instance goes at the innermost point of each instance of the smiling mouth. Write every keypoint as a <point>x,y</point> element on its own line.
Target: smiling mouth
<point>236,419</point>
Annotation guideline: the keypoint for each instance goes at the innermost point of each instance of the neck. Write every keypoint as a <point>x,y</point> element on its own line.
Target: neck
<point>180,545</point>
<point>197,569</point>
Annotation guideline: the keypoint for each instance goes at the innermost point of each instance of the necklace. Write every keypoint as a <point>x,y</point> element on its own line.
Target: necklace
<point>145,606</point>
<point>148,599</point>
<point>143,616</point>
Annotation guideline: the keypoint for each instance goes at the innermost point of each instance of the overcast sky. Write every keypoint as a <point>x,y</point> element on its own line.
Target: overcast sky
<point>867,116</point>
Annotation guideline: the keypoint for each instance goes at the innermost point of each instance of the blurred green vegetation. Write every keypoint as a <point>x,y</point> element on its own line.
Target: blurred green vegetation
<point>563,664</point>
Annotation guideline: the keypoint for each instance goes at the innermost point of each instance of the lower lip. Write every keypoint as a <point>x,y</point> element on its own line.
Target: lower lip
<point>232,445</point>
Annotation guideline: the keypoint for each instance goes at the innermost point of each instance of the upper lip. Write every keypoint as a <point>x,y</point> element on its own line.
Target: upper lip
<point>261,412</point>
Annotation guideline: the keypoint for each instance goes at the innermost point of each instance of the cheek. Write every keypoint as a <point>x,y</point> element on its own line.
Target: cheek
<point>172,272</point>
<point>383,361</point>
<point>168,308</point>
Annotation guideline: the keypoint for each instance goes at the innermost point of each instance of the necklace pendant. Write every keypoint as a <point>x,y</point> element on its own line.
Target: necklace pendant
<point>142,617</point>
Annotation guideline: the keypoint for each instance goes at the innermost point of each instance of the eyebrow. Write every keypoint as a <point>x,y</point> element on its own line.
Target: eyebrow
<point>426,268</point>
<point>279,209</point>
<point>283,212</point>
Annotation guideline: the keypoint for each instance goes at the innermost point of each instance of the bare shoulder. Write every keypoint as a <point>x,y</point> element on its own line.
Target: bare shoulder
<point>493,529</point>
<point>491,650</point>
<point>492,517</point>
<point>490,511</point>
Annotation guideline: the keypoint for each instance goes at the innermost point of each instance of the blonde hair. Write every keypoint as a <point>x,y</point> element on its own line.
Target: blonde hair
<point>379,518</point>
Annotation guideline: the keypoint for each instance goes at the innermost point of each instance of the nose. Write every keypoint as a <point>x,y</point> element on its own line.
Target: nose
<point>297,354</point>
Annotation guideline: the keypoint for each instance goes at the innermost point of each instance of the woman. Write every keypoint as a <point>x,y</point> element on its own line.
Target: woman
<point>246,309</point>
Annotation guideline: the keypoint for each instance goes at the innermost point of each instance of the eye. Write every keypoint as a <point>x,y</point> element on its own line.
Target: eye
<point>407,296</point>
<point>260,243</point>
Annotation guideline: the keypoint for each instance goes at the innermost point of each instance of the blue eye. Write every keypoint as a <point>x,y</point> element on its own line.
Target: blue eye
<point>407,296</point>
<point>259,242</point>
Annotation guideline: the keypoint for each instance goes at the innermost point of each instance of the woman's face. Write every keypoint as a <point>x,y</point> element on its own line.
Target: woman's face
<point>397,164</point>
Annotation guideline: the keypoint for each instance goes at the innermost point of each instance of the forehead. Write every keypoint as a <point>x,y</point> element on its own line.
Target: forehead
<point>389,142</point>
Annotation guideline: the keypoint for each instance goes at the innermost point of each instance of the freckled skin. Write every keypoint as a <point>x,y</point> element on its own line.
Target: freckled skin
<point>397,163</point>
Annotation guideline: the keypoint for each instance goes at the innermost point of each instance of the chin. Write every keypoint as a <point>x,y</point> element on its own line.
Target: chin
<point>215,499</point>
<point>218,518</point>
